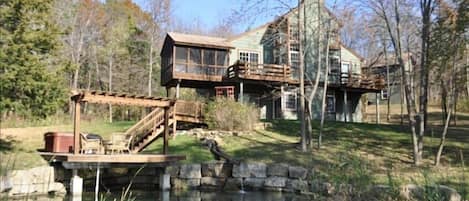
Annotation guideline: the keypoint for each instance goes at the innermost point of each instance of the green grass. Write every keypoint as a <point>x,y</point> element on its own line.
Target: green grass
<point>380,149</point>
<point>183,145</point>
<point>18,146</point>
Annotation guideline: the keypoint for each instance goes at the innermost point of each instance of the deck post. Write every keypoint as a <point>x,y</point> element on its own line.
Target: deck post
<point>174,121</point>
<point>96,188</point>
<point>165,184</point>
<point>241,92</point>
<point>166,130</point>
<point>377,108</point>
<point>345,106</point>
<point>76,128</point>
<point>76,185</point>
<point>273,107</point>
<point>177,88</point>
<point>282,102</point>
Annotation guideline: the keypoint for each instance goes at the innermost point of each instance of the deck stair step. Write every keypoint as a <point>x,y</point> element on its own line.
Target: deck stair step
<point>148,129</point>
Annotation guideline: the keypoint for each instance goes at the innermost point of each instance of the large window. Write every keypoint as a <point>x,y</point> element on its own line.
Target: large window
<point>330,103</point>
<point>222,59</point>
<point>290,100</point>
<point>181,59</point>
<point>250,57</point>
<point>209,57</point>
<point>201,61</point>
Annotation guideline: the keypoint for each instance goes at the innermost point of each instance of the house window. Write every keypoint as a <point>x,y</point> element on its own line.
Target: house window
<point>250,57</point>
<point>209,57</point>
<point>290,101</point>
<point>222,59</point>
<point>227,91</point>
<point>181,59</point>
<point>330,103</point>
<point>384,94</point>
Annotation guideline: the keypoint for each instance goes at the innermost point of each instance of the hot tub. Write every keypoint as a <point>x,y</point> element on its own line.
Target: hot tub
<point>59,142</point>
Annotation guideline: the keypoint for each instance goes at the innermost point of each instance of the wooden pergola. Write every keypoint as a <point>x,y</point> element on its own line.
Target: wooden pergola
<point>100,97</point>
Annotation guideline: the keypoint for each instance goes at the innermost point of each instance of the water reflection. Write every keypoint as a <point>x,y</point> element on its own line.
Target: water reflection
<point>186,196</point>
<point>212,196</point>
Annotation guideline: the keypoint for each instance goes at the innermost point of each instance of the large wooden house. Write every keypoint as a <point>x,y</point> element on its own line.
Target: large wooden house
<point>262,66</point>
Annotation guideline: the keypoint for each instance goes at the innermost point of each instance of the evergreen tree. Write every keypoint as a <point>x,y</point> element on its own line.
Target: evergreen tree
<point>29,83</point>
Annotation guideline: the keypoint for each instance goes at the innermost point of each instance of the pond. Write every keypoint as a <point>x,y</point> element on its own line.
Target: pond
<point>186,196</point>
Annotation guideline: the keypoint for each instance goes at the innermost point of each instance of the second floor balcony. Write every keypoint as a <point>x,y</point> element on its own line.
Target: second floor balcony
<point>356,80</point>
<point>260,72</point>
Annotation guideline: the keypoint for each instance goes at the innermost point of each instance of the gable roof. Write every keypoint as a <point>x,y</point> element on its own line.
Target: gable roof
<point>200,41</point>
<point>352,51</point>
<point>380,61</point>
<point>232,38</point>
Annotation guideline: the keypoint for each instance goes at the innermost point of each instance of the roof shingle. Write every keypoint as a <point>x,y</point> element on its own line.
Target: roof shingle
<point>198,40</point>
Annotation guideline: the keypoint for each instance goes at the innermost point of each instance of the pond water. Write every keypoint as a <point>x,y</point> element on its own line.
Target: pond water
<point>186,196</point>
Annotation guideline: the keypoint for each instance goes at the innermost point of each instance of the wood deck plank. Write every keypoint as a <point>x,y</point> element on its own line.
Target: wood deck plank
<point>120,158</point>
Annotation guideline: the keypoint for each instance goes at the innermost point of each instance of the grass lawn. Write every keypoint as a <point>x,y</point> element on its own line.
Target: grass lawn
<point>350,151</point>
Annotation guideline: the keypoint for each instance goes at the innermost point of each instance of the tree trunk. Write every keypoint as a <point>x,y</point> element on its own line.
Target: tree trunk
<point>99,82</point>
<point>302,81</point>
<point>110,84</point>
<point>88,87</point>
<point>409,93</point>
<point>388,90</point>
<point>402,100</point>
<point>452,100</point>
<point>324,94</point>
<point>444,102</point>
<point>443,139</point>
<point>150,70</point>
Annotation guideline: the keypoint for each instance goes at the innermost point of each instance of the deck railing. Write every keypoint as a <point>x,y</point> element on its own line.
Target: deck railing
<point>357,80</point>
<point>264,72</point>
<point>191,111</point>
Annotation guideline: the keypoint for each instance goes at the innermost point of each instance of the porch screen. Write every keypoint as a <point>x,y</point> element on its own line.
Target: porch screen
<point>201,61</point>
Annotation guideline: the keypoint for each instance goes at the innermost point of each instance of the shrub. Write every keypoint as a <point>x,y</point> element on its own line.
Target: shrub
<point>463,105</point>
<point>227,114</point>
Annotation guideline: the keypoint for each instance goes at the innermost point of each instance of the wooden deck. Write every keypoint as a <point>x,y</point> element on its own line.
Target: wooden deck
<point>261,72</point>
<point>357,81</point>
<point>119,158</point>
<point>190,111</point>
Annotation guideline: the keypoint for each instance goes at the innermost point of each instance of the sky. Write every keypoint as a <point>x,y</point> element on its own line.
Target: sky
<point>209,13</point>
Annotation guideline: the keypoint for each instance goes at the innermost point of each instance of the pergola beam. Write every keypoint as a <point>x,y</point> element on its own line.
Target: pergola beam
<point>121,99</point>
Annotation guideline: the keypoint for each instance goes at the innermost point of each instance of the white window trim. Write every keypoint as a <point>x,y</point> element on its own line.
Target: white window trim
<point>382,94</point>
<point>259,54</point>
<point>286,96</point>
<point>347,63</point>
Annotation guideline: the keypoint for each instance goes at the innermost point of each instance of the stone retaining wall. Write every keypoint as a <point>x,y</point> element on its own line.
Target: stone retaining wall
<point>38,180</point>
<point>206,176</point>
<point>242,176</point>
<point>277,177</point>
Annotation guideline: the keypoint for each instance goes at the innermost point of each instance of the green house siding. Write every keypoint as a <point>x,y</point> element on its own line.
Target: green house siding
<point>253,41</point>
<point>348,56</point>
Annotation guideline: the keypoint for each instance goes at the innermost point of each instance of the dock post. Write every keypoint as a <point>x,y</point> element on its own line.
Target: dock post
<point>345,106</point>
<point>166,130</point>
<point>96,189</point>
<point>165,184</point>
<point>76,128</point>
<point>377,109</point>
<point>241,92</point>
<point>76,185</point>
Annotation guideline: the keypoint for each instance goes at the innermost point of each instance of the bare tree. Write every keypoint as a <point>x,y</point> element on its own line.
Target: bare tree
<point>390,12</point>
<point>160,19</point>
<point>302,77</point>
<point>326,82</point>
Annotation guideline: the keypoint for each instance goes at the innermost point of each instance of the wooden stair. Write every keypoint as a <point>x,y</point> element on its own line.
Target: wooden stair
<point>150,128</point>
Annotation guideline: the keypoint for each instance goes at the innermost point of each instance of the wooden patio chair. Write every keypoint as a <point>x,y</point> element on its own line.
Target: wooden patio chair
<point>119,143</point>
<point>90,146</point>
